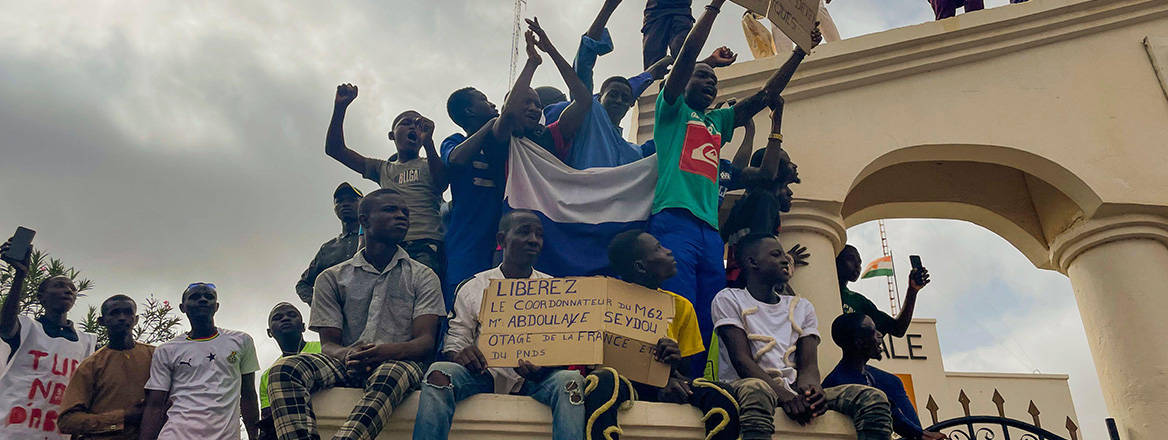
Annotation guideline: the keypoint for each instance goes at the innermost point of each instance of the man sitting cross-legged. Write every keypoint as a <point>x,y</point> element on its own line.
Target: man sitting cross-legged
<point>639,258</point>
<point>377,315</point>
<point>856,334</point>
<point>105,397</point>
<point>768,351</point>
<point>465,373</point>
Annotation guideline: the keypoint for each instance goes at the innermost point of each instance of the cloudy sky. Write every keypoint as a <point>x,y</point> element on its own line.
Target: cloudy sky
<point>153,144</point>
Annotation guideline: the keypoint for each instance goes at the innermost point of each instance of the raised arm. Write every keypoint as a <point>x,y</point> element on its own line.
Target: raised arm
<point>573,116</point>
<point>687,57</point>
<point>9,324</point>
<point>601,20</point>
<point>462,154</point>
<point>917,280</point>
<point>594,43</point>
<point>334,141</point>
<point>772,158</point>
<point>749,107</point>
<point>508,120</point>
<point>154,416</point>
<point>741,158</point>
<point>433,160</point>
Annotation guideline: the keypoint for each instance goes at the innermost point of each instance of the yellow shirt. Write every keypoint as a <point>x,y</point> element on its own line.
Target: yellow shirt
<point>684,326</point>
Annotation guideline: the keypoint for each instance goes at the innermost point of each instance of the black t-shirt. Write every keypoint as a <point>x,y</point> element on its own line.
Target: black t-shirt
<point>655,9</point>
<point>758,212</point>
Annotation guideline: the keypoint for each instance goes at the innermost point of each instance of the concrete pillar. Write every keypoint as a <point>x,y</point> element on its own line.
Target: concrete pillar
<point>1119,271</point>
<point>818,226</point>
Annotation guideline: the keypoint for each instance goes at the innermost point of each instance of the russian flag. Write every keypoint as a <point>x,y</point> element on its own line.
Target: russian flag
<point>581,209</point>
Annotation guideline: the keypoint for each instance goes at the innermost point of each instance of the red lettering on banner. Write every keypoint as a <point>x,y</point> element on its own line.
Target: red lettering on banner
<point>699,151</point>
<point>63,365</point>
<point>58,393</point>
<point>38,385</point>
<point>36,358</point>
<point>50,421</point>
<point>17,415</point>
<point>35,420</point>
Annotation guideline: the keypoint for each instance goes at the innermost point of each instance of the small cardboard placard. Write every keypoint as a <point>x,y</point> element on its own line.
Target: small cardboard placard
<point>796,18</point>
<point>576,321</point>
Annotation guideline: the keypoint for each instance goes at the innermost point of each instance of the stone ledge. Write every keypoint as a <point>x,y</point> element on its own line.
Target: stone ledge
<point>499,417</point>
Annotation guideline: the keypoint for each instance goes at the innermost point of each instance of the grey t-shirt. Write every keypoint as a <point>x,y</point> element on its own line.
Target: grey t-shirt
<point>413,180</point>
<point>375,307</point>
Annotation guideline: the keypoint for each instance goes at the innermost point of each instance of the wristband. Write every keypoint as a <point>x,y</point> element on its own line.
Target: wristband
<point>776,136</point>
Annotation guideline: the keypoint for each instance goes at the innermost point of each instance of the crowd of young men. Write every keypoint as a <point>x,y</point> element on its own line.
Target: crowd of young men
<point>395,297</point>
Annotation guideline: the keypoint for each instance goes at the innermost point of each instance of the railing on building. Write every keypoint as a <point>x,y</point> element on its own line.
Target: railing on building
<point>988,427</point>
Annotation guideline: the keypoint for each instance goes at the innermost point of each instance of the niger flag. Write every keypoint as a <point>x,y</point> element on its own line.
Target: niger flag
<point>881,267</point>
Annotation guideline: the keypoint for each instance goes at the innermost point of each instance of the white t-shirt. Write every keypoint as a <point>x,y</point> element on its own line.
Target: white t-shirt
<point>763,323</point>
<point>203,378</point>
<point>33,382</point>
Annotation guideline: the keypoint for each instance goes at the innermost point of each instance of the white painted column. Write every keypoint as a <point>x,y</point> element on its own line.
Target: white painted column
<point>818,226</point>
<point>1119,271</point>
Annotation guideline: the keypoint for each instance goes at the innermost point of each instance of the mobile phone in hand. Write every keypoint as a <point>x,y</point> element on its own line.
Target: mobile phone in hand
<point>915,261</point>
<point>21,241</point>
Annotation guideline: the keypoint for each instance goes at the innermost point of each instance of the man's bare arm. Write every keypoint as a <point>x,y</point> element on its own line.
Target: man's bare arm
<point>687,57</point>
<point>9,323</point>
<point>741,158</point>
<point>601,20</point>
<point>774,86</point>
<point>423,332</point>
<point>573,117</point>
<point>462,154</point>
<point>334,141</point>
<point>433,160</point>
<point>249,406</point>
<point>154,415</point>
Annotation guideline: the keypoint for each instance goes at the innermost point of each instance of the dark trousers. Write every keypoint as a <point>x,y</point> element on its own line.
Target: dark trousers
<point>664,34</point>
<point>948,8</point>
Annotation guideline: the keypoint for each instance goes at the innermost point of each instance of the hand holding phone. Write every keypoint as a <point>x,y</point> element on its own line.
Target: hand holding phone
<point>919,277</point>
<point>18,248</point>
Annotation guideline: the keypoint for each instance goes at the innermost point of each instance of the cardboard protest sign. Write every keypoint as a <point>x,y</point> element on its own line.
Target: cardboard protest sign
<point>796,18</point>
<point>576,321</point>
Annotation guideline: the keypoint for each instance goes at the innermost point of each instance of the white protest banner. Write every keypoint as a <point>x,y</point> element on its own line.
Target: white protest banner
<point>576,321</point>
<point>796,18</point>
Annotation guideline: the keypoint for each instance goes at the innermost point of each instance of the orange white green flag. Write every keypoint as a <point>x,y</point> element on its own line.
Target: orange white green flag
<point>880,267</point>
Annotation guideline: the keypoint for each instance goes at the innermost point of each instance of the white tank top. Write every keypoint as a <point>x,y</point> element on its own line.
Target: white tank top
<point>34,382</point>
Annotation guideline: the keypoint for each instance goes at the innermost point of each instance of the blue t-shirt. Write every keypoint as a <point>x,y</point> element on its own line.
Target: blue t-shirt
<point>904,417</point>
<point>476,193</point>
<point>599,143</point>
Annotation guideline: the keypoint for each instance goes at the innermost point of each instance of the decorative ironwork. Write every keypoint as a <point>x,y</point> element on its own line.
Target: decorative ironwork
<point>1034,412</point>
<point>998,402</point>
<point>973,428</point>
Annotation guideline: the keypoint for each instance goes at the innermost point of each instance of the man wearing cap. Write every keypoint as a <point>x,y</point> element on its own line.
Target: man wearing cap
<point>286,326</point>
<point>339,248</point>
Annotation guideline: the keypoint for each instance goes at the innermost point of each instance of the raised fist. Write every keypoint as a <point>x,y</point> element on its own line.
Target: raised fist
<point>346,93</point>
<point>722,57</point>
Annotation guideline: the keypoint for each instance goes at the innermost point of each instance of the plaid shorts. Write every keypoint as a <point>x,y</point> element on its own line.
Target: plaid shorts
<point>293,379</point>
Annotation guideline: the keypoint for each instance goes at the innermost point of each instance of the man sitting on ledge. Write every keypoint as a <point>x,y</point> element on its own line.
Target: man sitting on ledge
<point>377,315</point>
<point>521,236</point>
<point>856,334</point>
<point>768,351</point>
